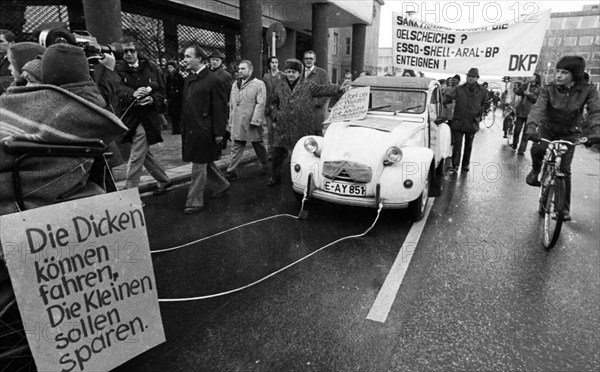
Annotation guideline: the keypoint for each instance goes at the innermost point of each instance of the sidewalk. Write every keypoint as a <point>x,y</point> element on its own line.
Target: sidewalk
<point>168,153</point>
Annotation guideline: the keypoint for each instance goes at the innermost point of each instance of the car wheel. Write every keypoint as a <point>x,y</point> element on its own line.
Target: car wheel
<point>416,208</point>
<point>436,188</point>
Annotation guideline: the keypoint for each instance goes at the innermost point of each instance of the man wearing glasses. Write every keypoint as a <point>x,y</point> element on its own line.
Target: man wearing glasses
<point>319,77</point>
<point>144,99</point>
<point>471,102</point>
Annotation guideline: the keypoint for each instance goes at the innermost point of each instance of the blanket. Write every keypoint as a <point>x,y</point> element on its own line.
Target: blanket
<point>48,113</point>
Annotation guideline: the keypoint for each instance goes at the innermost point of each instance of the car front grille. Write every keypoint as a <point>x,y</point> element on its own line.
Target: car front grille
<point>347,171</point>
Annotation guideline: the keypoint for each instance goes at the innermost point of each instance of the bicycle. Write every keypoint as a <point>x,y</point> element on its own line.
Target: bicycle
<point>553,189</point>
<point>508,123</point>
<point>487,121</point>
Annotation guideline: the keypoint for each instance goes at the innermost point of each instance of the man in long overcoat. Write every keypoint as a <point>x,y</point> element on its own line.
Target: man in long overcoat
<point>246,117</point>
<point>471,102</point>
<point>319,77</point>
<point>291,110</point>
<point>203,126</point>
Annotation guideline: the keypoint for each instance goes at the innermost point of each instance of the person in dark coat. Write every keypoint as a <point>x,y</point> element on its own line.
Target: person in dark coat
<point>271,78</point>
<point>142,114</point>
<point>203,126</point>
<point>292,113</point>
<point>319,77</point>
<point>558,114</point>
<point>529,93</point>
<point>174,95</point>
<point>471,102</point>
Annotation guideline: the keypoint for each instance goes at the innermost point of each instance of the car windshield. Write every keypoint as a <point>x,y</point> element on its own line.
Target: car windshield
<point>411,101</point>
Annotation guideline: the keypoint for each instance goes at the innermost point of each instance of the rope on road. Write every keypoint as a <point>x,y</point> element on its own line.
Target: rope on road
<point>221,233</point>
<point>278,271</point>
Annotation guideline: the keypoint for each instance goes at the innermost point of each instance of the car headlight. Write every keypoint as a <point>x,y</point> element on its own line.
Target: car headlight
<point>311,145</point>
<point>392,155</point>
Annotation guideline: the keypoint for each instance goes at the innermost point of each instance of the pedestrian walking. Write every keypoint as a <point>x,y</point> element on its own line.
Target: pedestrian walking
<point>271,78</point>
<point>246,118</point>
<point>203,127</point>
<point>558,114</point>
<point>174,95</point>
<point>529,93</point>
<point>142,114</point>
<point>471,102</point>
<point>292,112</point>
<point>319,77</point>
<point>452,83</point>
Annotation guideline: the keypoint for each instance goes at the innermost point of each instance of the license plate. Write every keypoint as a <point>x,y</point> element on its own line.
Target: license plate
<point>345,188</point>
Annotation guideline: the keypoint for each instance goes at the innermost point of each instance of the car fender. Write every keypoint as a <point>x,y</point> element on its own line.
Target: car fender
<point>307,162</point>
<point>445,138</point>
<point>414,166</point>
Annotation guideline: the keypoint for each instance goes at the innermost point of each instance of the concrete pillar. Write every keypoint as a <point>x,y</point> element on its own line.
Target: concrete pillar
<point>359,37</point>
<point>171,40</point>
<point>76,16</point>
<point>251,33</point>
<point>320,34</point>
<point>288,49</point>
<point>103,19</point>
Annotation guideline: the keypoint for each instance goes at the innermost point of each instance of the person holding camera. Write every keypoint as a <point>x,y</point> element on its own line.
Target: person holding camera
<point>142,114</point>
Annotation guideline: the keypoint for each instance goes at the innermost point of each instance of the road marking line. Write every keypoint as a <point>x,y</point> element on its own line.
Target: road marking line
<point>387,294</point>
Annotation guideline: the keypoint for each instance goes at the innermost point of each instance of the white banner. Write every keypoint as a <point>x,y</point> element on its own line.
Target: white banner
<point>504,49</point>
<point>84,282</point>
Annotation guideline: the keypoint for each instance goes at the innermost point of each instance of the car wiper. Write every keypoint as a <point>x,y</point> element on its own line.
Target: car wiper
<point>379,107</point>
<point>406,109</point>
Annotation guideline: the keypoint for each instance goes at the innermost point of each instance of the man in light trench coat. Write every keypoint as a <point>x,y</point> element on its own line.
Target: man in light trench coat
<point>246,118</point>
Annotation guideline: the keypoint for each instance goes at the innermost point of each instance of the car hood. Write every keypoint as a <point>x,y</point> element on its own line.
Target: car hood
<point>366,141</point>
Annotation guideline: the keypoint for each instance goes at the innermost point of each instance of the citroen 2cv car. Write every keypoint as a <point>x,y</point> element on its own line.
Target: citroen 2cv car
<point>394,156</point>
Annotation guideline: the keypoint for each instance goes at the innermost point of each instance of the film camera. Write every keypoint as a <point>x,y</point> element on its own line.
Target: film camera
<point>83,39</point>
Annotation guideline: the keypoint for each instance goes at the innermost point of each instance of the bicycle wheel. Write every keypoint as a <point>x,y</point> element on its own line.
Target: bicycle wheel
<point>14,351</point>
<point>553,213</point>
<point>488,120</point>
<point>546,169</point>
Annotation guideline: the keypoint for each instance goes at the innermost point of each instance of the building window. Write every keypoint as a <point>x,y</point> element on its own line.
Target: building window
<point>570,41</point>
<point>572,23</point>
<point>585,55</point>
<point>597,40</point>
<point>554,41</point>
<point>334,76</point>
<point>586,40</point>
<point>336,40</point>
<point>348,46</point>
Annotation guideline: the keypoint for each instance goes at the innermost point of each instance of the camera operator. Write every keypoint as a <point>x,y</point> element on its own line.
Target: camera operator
<point>142,117</point>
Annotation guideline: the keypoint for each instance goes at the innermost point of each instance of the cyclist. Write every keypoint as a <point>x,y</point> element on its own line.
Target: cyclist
<point>529,93</point>
<point>558,114</point>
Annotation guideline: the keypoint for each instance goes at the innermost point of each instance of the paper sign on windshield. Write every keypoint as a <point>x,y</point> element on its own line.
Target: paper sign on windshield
<point>353,105</point>
<point>84,282</point>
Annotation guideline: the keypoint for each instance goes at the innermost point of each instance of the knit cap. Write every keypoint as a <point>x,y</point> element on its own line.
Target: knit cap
<point>64,64</point>
<point>34,68</point>
<point>21,53</point>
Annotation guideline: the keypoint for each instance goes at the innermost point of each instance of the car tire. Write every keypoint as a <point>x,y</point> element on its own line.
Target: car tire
<point>416,208</point>
<point>435,189</point>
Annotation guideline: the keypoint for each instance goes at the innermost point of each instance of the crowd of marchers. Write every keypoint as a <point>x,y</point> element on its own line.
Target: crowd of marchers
<point>205,102</point>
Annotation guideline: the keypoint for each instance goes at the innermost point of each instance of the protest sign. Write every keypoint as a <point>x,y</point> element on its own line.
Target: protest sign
<point>84,283</point>
<point>353,105</point>
<point>504,49</point>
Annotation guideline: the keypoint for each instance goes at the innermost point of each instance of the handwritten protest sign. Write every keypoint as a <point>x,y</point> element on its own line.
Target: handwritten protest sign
<point>505,49</point>
<point>353,105</point>
<point>84,282</point>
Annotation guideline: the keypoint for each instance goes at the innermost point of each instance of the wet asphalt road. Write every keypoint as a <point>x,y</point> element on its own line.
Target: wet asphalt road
<point>481,294</point>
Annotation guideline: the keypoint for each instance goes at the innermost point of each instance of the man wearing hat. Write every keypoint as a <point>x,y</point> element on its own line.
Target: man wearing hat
<point>291,109</point>
<point>18,55</point>
<point>471,101</point>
